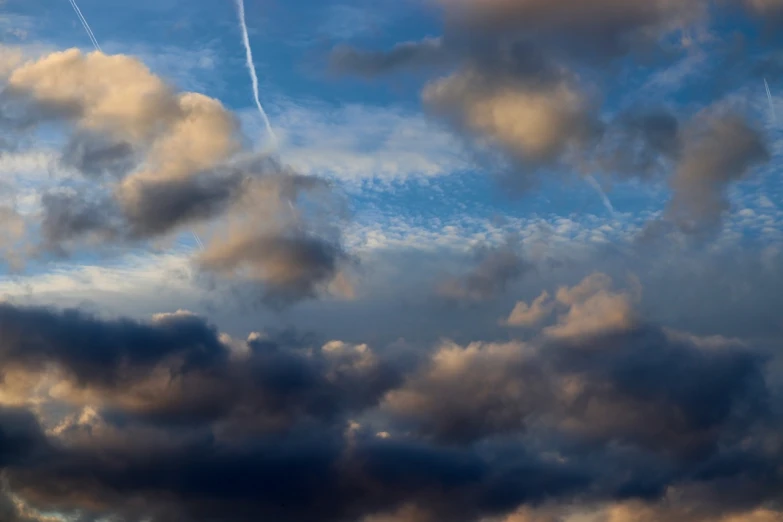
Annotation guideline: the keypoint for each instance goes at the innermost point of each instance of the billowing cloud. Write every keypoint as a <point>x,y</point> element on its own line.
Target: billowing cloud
<point>152,161</point>
<point>169,418</point>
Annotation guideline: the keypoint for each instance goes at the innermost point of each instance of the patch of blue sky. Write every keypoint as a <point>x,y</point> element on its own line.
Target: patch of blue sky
<point>346,129</point>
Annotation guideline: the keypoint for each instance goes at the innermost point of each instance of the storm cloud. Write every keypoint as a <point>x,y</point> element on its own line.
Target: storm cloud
<point>170,418</point>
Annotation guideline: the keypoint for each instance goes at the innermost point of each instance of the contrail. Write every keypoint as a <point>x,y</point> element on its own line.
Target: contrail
<point>252,69</point>
<point>597,186</point>
<point>86,26</point>
<point>98,47</point>
<point>198,241</point>
<point>771,104</point>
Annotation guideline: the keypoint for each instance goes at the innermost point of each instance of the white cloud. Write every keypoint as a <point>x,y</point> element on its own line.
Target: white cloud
<point>360,144</point>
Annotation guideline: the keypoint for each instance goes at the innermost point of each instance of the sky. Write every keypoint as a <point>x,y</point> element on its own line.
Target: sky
<point>466,260</point>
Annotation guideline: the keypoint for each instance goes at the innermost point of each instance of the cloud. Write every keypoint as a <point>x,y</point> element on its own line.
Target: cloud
<point>422,53</point>
<point>588,401</point>
<point>718,149</point>
<point>615,410</point>
<point>532,87</point>
<point>151,161</point>
<point>128,122</point>
<point>278,234</point>
<point>496,268</point>
<point>532,314</point>
<point>365,145</point>
<point>532,124</point>
<point>596,375</point>
<point>606,25</point>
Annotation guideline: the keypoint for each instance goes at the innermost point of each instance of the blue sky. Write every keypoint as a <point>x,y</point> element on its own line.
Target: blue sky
<point>510,261</point>
<point>410,181</point>
<point>375,131</point>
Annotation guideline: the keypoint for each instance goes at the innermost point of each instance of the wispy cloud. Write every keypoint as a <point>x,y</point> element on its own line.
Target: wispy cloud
<point>361,144</point>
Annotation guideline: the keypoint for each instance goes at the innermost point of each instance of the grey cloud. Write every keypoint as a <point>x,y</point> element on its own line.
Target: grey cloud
<point>640,143</point>
<point>67,216</point>
<point>424,53</point>
<point>96,156</point>
<point>164,160</point>
<point>605,27</point>
<point>192,425</point>
<point>598,375</point>
<point>495,270</point>
<point>153,208</point>
<point>284,234</point>
<point>718,149</point>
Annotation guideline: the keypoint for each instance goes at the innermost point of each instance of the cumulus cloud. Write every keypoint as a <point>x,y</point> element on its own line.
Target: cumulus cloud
<point>532,314</point>
<point>151,161</point>
<point>535,124</point>
<point>168,418</point>
<point>587,309</point>
<point>129,122</point>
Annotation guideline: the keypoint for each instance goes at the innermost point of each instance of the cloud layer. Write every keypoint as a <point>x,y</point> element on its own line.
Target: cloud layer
<point>169,418</point>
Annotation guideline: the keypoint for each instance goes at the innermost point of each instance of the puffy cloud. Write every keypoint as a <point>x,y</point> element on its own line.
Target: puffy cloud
<point>278,234</point>
<point>598,372</point>
<point>154,161</point>
<point>532,314</point>
<point>535,124</point>
<point>169,419</point>
<point>590,308</point>
<point>127,122</point>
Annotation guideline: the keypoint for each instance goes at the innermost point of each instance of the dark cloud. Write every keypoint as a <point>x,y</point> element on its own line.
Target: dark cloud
<point>283,234</point>
<point>187,424</point>
<point>95,156</point>
<point>154,208</point>
<point>22,441</point>
<point>495,270</point>
<point>424,53</point>
<point>641,387</point>
<point>67,216</point>
<point>99,351</point>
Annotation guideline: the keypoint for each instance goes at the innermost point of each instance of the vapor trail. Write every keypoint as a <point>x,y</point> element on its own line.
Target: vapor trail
<point>98,47</point>
<point>597,186</point>
<point>198,241</point>
<point>771,104</point>
<point>86,26</point>
<point>252,69</point>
